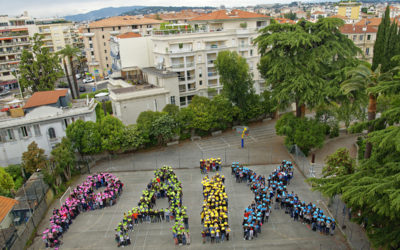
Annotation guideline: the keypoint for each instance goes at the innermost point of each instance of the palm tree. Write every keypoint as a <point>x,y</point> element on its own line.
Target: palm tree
<point>71,52</point>
<point>360,81</point>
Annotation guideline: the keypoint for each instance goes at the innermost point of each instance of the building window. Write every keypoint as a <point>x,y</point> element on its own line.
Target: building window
<point>173,100</point>
<point>251,52</point>
<point>90,39</point>
<point>200,82</point>
<point>10,135</point>
<point>65,123</point>
<point>92,53</point>
<point>102,29</point>
<point>368,37</point>
<point>103,36</point>
<point>134,26</point>
<point>361,37</point>
<point>199,58</point>
<point>119,27</point>
<point>108,65</point>
<point>52,133</point>
<point>91,46</point>
<point>104,43</point>
<point>113,28</point>
<point>36,128</point>
<point>354,37</point>
<point>88,30</point>
<point>367,51</point>
<point>105,51</point>
<point>24,131</point>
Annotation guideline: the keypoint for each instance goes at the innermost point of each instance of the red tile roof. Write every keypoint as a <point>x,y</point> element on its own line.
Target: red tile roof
<point>182,15</point>
<point>6,205</point>
<point>44,98</point>
<point>224,15</point>
<point>340,17</point>
<point>284,20</point>
<point>129,35</point>
<point>375,21</point>
<point>123,21</point>
<point>357,29</point>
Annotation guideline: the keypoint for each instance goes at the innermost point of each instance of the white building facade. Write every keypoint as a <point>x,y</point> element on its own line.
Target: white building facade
<point>45,125</point>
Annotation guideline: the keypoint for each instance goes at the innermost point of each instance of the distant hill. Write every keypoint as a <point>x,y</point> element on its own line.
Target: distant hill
<point>102,13</point>
<point>154,9</point>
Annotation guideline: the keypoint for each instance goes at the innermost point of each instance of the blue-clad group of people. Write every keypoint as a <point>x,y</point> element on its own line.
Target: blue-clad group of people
<point>273,190</point>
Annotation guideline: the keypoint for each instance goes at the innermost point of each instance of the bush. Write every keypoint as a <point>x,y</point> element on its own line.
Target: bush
<point>92,94</point>
<point>361,147</point>
<point>334,131</point>
<point>305,133</point>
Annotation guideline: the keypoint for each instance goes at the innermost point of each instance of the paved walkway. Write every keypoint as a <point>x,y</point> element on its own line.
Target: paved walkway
<point>355,234</point>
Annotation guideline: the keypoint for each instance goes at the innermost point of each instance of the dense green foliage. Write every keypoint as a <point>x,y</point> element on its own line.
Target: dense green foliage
<point>6,182</point>
<point>338,164</point>
<point>303,132</point>
<point>34,158</point>
<point>236,79</point>
<point>374,188</point>
<point>39,69</point>
<point>85,137</point>
<point>387,43</point>
<point>303,62</point>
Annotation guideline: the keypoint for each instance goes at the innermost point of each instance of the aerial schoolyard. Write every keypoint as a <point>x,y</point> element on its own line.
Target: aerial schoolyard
<point>95,229</point>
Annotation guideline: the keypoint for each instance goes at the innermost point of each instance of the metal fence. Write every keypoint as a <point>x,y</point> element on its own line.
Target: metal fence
<point>27,213</point>
<point>187,159</point>
<point>355,233</point>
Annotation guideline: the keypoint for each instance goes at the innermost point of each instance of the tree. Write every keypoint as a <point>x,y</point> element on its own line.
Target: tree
<point>387,43</point>
<point>305,133</point>
<point>63,157</point>
<point>112,133</point>
<point>163,128</point>
<point>338,163</point>
<point>301,61</point>
<point>290,15</point>
<point>85,137</point>
<point>235,78</point>
<point>171,109</point>
<point>71,53</point>
<point>202,119</point>
<point>223,112</point>
<point>360,79</point>
<point>133,138</point>
<point>39,69</point>
<point>6,181</point>
<point>34,158</point>
<point>144,123</point>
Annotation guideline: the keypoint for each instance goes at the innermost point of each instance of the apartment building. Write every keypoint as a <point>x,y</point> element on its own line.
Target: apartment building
<point>57,33</point>
<point>191,49</point>
<point>14,37</point>
<point>363,36</point>
<point>349,9</point>
<point>44,119</point>
<point>97,39</point>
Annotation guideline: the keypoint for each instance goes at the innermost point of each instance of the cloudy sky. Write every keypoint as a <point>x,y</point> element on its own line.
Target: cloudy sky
<point>51,8</point>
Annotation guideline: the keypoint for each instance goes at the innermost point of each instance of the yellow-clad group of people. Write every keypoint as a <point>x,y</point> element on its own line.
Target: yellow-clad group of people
<point>214,215</point>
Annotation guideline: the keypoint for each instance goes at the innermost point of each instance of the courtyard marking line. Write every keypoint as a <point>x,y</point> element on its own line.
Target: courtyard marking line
<point>222,139</point>
<point>254,139</point>
<point>198,145</point>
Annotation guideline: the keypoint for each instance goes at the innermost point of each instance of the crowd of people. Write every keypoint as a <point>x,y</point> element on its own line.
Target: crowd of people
<point>165,184</point>
<point>274,191</point>
<point>214,214</point>
<point>82,198</point>
<point>210,165</point>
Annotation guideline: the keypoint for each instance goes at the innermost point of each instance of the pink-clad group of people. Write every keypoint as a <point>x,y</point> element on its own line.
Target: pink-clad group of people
<point>82,198</point>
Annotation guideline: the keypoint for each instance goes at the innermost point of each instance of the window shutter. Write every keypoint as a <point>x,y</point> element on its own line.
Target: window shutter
<point>20,133</point>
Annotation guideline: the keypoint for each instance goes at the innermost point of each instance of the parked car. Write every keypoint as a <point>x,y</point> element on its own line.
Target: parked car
<point>78,76</point>
<point>87,80</point>
<point>82,89</point>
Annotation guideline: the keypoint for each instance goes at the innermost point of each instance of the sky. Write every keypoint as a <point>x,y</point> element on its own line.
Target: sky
<point>53,8</point>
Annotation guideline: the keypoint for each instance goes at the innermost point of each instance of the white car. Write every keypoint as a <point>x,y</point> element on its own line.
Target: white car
<point>78,76</point>
<point>87,80</point>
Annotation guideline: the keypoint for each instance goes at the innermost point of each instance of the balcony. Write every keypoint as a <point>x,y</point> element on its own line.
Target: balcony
<point>178,66</point>
<point>215,46</point>
<point>114,32</point>
<point>210,62</point>
<point>183,50</point>
<point>182,88</point>
<point>48,45</point>
<point>88,34</point>
<point>212,75</point>
<point>181,78</point>
<point>242,32</point>
<point>191,79</point>
<point>93,63</point>
<point>45,31</point>
<point>243,47</point>
<point>190,64</point>
<point>10,52</point>
<point>14,34</point>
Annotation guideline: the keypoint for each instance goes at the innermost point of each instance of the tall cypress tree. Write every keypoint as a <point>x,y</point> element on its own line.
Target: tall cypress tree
<point>386,44</point>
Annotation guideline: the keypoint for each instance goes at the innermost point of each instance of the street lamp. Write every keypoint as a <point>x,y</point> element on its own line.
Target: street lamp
<point>19,86</point>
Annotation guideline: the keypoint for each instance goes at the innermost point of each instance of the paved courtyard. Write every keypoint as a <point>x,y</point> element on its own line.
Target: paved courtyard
<point>95,229</point>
